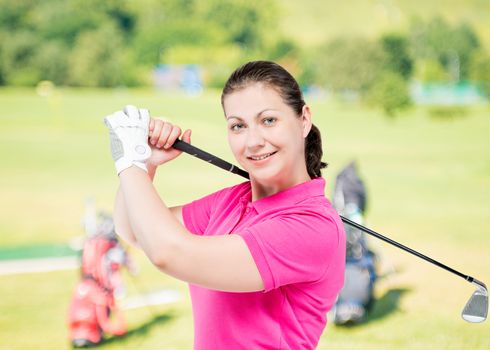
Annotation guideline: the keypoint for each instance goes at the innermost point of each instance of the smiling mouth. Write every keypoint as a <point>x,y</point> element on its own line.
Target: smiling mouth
<point>264,156</point>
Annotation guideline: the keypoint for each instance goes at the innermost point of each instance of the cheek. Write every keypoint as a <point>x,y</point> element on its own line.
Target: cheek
<point>294,143</point>
<point>288,137</point>
<point>235,144</point>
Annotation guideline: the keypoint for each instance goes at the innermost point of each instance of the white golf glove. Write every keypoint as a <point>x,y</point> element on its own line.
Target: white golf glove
<point>128,132</point>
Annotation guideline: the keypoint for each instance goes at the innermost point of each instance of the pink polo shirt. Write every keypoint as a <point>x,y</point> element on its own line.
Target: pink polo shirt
<point>297,241</point>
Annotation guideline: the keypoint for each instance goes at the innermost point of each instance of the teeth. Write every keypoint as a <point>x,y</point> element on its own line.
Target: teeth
<point>262,157</point>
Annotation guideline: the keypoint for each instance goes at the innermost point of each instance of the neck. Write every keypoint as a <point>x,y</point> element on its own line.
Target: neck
<point>262,189</point>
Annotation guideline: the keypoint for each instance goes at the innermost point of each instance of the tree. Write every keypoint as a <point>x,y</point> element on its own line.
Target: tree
<point>246,22</point>
<point>51,61</point>
<point>349,64</point>
<point>376,71</point>
<point>452,46</point>
<point>480,71</point>
<point>14,14</point>
<point>62,21</point>
<point>390,92</point>
<point>398,59</point>
<point>17,51</point>
<point>97,58</point>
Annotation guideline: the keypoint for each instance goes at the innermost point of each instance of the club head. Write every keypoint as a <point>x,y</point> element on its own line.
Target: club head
<point>476,308</point>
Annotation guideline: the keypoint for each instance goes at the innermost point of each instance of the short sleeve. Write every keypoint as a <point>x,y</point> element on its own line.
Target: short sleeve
<point>196,214</point>
<point>292,248</point>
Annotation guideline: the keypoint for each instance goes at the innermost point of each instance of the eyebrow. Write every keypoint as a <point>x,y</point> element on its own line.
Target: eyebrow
<point>258,114</point>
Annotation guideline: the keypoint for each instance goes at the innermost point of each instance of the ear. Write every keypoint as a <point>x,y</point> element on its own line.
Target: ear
<point>306,120</point>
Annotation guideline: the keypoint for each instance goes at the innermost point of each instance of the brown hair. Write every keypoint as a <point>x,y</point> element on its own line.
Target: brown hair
<point>276,77</point>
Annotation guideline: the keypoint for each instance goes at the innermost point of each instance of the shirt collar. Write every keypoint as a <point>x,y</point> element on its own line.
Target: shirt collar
<point>290,196</point>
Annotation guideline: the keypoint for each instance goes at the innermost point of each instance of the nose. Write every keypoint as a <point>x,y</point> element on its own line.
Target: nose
<point>255,139</point>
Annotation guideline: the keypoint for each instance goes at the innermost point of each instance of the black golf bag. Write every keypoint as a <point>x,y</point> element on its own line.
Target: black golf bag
<point>356,297</point>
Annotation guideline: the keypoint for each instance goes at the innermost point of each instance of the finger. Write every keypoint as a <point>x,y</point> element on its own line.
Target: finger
<point>157,129</point>
<point>117,119</point>
<point>151,126</point>
<point>186,137</point>
<point>110,122</point>
<point>164,134</point>
<point>145,116</point>
<point>131,111</point>
<point>174,134</point>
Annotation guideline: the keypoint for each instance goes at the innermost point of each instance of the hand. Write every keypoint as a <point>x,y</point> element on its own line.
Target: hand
<point>162,136</point>
<point>128,132</point>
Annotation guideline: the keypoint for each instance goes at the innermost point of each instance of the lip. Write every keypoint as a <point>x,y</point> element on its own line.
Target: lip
<point>262,160</point>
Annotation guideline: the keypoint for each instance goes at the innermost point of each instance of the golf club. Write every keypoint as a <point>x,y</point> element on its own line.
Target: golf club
<point>475,310</point>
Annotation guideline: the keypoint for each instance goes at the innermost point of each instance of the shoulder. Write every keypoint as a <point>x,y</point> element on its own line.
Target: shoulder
<point>296,244</point>
<point>226,197</point>
<point>232,193</point>
<point>314,223</point>
<point>315,218</point>
<point>198,213</point>
<point>315,210</point>
<point>239,189</point>
<point>226,194</point>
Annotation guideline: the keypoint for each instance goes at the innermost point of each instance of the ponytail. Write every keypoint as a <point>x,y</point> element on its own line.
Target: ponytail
<point>314,153</point>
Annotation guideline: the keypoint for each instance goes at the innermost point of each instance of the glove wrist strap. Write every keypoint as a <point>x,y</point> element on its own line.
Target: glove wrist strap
<point>124,163</point>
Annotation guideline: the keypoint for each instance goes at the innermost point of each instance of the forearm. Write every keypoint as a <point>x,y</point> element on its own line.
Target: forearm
<point>121,220</point>
<point>155,228</point>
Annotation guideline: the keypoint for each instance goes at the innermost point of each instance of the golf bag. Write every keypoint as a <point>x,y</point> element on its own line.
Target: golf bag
<point>93,308</point>
<point>356,297</point>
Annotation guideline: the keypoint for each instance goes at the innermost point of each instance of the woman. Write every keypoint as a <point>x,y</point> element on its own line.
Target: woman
<point>264,259</point>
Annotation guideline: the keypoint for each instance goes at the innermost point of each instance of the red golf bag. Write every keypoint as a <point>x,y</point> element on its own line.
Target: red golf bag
<point>93,310</point>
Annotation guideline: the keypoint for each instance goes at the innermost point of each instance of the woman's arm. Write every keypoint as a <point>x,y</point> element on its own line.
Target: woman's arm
<point>221,262</point>
<point>121,221</point>
<point>216,262</point>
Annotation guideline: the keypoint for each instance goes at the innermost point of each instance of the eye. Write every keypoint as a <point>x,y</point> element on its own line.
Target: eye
<point>269,121</point>
<point>236,127</point>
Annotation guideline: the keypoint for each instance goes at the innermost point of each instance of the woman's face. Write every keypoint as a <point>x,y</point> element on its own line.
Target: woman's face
<point>266,136</point>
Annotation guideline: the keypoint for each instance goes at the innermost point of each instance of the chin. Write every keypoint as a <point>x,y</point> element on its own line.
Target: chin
<point>266,175</point>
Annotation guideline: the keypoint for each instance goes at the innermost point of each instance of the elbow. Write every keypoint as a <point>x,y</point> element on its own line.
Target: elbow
<point>163,253</point>
<point>159,260</point>
<point>124,233</point>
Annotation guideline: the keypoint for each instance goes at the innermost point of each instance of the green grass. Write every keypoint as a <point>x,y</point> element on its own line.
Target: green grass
<point>428,182</point>
<point>36,251</point>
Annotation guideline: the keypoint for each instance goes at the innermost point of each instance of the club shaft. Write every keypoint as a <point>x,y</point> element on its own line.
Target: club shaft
<point>405,248</point>
<point>208,157</point>
<point>194,151</point>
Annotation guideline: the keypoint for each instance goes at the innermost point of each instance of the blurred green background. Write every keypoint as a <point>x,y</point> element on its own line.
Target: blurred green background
<point>400,86</point>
